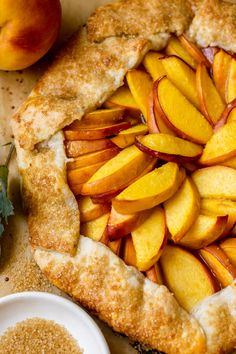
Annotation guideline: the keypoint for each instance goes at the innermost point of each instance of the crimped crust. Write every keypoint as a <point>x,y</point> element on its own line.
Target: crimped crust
<point>123,297</point>
<point>84,74</point>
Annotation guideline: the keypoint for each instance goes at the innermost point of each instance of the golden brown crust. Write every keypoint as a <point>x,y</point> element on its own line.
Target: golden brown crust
<point>81,78</point>
<point>215,25</point>
<point>123,297</point>
<point>53,215</point>
<point>139,18</point>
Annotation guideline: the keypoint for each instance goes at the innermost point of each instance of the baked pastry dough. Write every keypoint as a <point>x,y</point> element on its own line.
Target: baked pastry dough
<point>89,68</point>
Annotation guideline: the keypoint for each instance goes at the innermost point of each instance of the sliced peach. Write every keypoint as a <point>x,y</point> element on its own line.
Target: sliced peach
<point>221,146</point>
<point>96,228</point>
<point>180,114</point>
<point>153,65</point>
<point>186,200</point>
<point>194,51</point>
<point>220,207</point>
<point>228,115</point>
<point>115,246</point>
<point>120,225</point>
<point>92,133</point>
<point>186,276</point>
<point>231,82</point>
<point>81,147</point>
<point>150,190</point>
<point>190,166</point>
<point>229,248</point>
<point>220,68</point>
<point>212,105</point>
<point>174,47</point>
<point>149,239</point>
<point>117,172</point>
<point>140,85</point>
<point>129,254</point>
<point>99,118</point>
<point>205,230</point>
<point>219,264</point>
<point>168,148</point>
<point>90,211</point>
<point>216,182</point>
<point>123,98</point>
<point>76,188</point>
<point>92,158</point>
<point>154,274</point>
<point>230,163</point>
<point>82,174</point>
<point>233,231</point>
<point>182,76</point>
<point>127,137</point>
<point>151,118</point>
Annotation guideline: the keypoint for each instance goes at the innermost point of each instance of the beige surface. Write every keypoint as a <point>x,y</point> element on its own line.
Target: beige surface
<point>18,271</point>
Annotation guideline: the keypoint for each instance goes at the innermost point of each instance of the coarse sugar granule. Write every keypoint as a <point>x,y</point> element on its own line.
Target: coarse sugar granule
<point>38,336</point>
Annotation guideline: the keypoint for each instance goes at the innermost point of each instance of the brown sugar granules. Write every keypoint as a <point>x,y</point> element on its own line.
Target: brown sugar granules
<point>38,336</point>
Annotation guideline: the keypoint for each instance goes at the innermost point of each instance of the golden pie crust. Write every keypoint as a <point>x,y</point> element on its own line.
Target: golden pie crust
<point>87,70</point>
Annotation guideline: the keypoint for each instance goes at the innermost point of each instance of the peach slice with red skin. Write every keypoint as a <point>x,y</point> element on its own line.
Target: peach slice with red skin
<point>140,85</point>
<point>231,82</point>
<point>91,133</point>
<point>205,230</point>
<point>226,116</point>
<point>220,68</point>
<point>154,274</point>
<point>120,225</point>
<point>153,65</point>
<point>151,118</point>
<point>150,190</point>
<point>115,246</point>
<point>212,105</point>
<point>81,147</point>
<point>82,174</point>
<point>219,264</point>
<point>184,274</point>
<point>194,51</point>
<point>216,182</point>
<point>90,211</point>
<point>186,200</point>
<point>180,115</point>
<point>229,248</point>
<point>127,137</point>
<point>182,76</point>
<point>174,47</point>
<point>129,254</point>
<point>169,148</point>
<point>221,146</point>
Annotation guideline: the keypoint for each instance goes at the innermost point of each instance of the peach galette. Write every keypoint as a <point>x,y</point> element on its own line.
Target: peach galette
<point>130,140</point>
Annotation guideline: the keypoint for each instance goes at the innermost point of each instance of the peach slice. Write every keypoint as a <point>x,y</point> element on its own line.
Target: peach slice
<point>124,99</point>
<point>81,147</point>
<point>149,239</point>
<point>92,158</point>
<point>220,68</point>
<point>153,65</point>
<point>221,146</point>
<point>129,254</point>
<point>120,225</point>
<point>183,77</point>
<point>180,114</point>
<point>140,85</point>
<point>186,276</point>
<point>205,230</point>
<point>117,172</point>
<point>168,148</point>
<point>76,188</point>
<point>99,118</point>
<point>127,137</point>
<point>174,47</point>
<point>216,182</point>
<point>91,133</point>
<point>194,51</point>
<point>90,211</point>
<point>219,264</point>
<point>233,231</point>
<point>154,274</point>
<point>115,246</point>
<point>186,200</point>
<point>211,102</point>
<point>150,190</point>
<point>230,163</point>
<point>228,115</point>
<point>220,207</point>
<point>82,174</point>
<point>231,82</point>
<point>151,118</point>
<point>229,248</point>
<point>96,228</point>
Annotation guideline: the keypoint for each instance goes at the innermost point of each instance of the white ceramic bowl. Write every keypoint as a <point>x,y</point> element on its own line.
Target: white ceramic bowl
<point>20,306</point>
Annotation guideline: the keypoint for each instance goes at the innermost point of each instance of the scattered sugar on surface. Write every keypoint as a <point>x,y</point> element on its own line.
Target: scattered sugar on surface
<point>38,336</point>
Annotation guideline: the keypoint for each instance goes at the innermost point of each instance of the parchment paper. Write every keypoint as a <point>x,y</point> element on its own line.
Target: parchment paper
<point>18,272</point>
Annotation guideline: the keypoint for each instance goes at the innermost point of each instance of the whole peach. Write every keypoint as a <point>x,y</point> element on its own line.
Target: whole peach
<point>28,28</point>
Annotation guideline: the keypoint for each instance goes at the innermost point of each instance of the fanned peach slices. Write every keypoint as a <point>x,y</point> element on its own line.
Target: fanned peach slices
<point>154,169</point>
